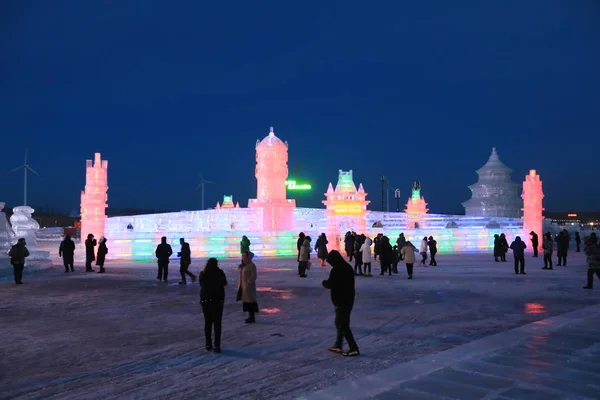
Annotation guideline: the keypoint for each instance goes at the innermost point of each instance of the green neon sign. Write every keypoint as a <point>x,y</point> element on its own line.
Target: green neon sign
<point>293,185</point>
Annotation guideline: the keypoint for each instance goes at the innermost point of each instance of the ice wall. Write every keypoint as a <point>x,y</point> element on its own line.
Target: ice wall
<point>216,233</point>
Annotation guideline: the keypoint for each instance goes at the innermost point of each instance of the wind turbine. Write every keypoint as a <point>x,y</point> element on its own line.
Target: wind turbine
<point>25,167</point>
<point>201,184</point>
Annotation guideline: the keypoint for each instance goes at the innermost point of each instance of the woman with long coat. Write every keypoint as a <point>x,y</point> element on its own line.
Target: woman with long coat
<point>90,243</point>
<point>102,251</point>
<point>304,257</point>
<point>212,297</point>
<point>247,286</point>
<point>321,248</point>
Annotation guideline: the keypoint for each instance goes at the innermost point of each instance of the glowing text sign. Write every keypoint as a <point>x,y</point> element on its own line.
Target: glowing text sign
<point>293,185</point>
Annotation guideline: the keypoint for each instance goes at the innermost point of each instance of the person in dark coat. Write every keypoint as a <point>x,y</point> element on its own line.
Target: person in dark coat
<point>534,243</point>
<point>299,243</point>
<point>341,284</point>
<point>90,253</point>
<point>518,247</point>
<point>67,252</point>
<point>432,243</point>
<point>503,247</point>
<point>185,256</point>
<point>395,259</point>
<point>401,241</point>
<point>321,248</point>
<point>212,297</point>
<point>17,254</point>
<point>562,247</point>
<point>578,241</point>
<point>497,247</point>
<point>376,245</point>
<point>162,253</point>
<point>592,251</point>
<point>386,255</point>
<point>101,257</point>
<point>348,245</point>
<point>358,259</point>
<point>548,247</point>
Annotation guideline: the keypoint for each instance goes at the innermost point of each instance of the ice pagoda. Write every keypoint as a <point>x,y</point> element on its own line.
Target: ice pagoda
<point>494,195</point>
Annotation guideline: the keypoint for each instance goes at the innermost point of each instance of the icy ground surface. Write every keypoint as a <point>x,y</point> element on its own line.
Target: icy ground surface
<point>125,335</point>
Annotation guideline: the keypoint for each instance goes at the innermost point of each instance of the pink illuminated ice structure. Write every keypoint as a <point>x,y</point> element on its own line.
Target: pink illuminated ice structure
<point>532,205</point>
<point>416,207</point>
<point>94,198</point>
<point>345,208</point>
<point>271,173</point>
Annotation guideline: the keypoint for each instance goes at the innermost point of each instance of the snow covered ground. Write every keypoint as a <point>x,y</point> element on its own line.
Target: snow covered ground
<point>125,335</point>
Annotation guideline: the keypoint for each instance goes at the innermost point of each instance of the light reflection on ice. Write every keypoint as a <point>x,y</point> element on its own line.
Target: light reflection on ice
<point>281,294</point>
<point>270,310</point>
<point>535,308</point>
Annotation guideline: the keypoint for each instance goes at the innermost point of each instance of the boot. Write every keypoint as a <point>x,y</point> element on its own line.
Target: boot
<point>353,352</point>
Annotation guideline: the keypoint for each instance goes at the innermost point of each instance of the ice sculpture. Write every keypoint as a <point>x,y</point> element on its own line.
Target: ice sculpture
<point>494,195</point>
<point>271,174</point>
<point>94,197</point>
<point>7,236</point>
<point>227,202</point>
<point>345,208</point>
<point>272,222</point>
<point>25,227</point>
<point>532,205</point>
<point>416,207</point>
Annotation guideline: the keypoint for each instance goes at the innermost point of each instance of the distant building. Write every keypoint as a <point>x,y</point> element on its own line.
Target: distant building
<point>591,219</point>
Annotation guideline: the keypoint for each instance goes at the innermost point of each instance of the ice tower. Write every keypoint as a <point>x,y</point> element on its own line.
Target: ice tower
<point>271,173</point>
<point>494,195</point>
<point>532,205</point>
<point>346,207</point>
<point>94,197</point>
<point>416,207</point>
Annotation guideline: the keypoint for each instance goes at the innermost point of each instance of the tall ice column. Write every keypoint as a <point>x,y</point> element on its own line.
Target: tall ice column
<point>94,198</point>
<point>532,205</point>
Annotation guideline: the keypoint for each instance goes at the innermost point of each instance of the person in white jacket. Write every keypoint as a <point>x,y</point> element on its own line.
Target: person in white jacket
<point>365,249</point>
<point>423,251</point>
<point>408,252</point>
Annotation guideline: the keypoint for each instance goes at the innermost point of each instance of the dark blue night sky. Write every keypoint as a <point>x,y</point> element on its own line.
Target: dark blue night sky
<point>418,90</point>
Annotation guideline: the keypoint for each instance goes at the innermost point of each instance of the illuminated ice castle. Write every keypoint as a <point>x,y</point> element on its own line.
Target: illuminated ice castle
<point>272,221</point>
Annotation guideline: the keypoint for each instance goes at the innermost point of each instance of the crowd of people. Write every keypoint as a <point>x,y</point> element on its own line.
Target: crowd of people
<point>341,280</point>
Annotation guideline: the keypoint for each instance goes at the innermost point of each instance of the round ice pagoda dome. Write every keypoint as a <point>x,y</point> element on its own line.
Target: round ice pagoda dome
<point>271,141</point>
